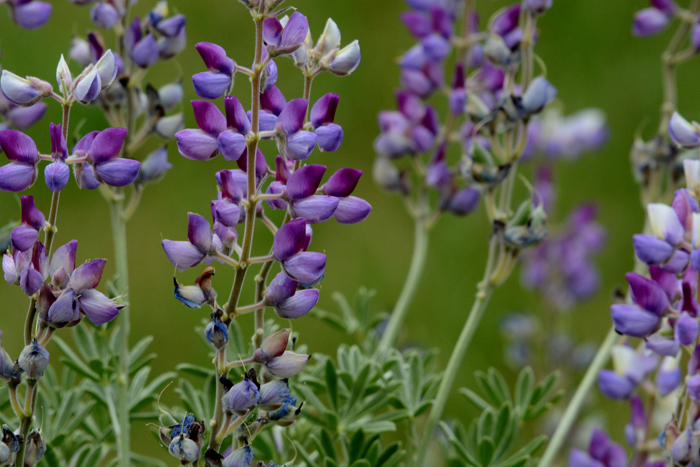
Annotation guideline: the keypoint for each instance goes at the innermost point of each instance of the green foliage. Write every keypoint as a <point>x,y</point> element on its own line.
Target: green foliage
<point>494,438</point>
<point>356,320</point>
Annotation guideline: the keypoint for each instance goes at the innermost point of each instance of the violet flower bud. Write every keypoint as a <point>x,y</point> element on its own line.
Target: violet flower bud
<point>273,346</point>
<point>287,301</point>
<point>171,95</point>
<point>329,135</point>
<point>22,118</point>
<point>31,14</point>
<point>102,150</point>
<point>664,223</point>
<point>154,166</point>
<point>352,210</point>
<point>685,448</point>
<point>216,332</point>
<point>63,74</point>
<point>538,94</point>
<point>202,242</point>
<point>287,365</point>
<point>218,80</point>
<point>80,51</point>
<point>669,376</point>
<point>184,449</point>
<point>684,133</point>
<point>34,359</point>
<point>88,86</point>
<point>36,446</point>
<point>107,69</point>
<point>202,144</point>
<point>104,15</point>
<point>20,174</point>
<point>649,21</point>
<point>21,91</point>
<point>284,39</point>
<point>686,329</point>
<point>24,236</point>
<point>273,394</point>
<point>329,41</point>
<point>346,60</point>
<point>241,396</point>
<point>13,265</point>
<point>173,38</point>
<point>145,52</point>
<point>290,240</point>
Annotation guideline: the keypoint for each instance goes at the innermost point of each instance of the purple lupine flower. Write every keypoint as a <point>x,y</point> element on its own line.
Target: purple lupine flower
<point>285,39</point>
<point>20,118</point>
<point>685,449</point>
<point>270,74</point>
<point>644,317</point>
<point>280,362</point>
<point>650,21</point>
<point>686,329</point>
<point>34,360</point>
<point>289,303</point>
<point>216,332</point>
<point>539,93</point>
<point>635,430</point>
<point>684,133</point>
<point>419,75</point>
<point>217,81</point>
<point>36,272</point>
<point>202,244</point>
<point>154,166</point>
<point>242,396</point>
<point>659,249</point>
<point>304,203</point>
<point>272,102</point>
<point>434,30</point>
<point>216,133</point>
<point>273,394</point>
<point>173,35</point>
<point>351,209</point>
<point>104,15</point>
<point>57,173</point>
<point>630,368</point>
<point>30,14</point>
<point>13,265</point>
<point>506,25</point>
<point>412,129</point>
<point>21,173</point>
<point>81,298</point>
<point>289,249</point>
<point>669,377</point>
<point>225,210</point>
<point>101,150</point>
<point>63,264</point>
<point>329,135</point>
<point>293,142</point>
<point>567,137</point>
<point>458,94</point>
<point>21,91</point>
<point>24,236</point>
<point>602,452</point>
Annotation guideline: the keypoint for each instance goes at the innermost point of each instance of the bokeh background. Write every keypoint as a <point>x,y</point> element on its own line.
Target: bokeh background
<point>591,58</point>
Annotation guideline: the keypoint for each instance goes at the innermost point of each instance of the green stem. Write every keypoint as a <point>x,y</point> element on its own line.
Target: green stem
<point>579,398</point>
<point>483,294</point>
<point>415,272</point>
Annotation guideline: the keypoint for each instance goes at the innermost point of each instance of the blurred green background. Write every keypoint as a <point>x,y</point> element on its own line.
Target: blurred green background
<point>591,58</point>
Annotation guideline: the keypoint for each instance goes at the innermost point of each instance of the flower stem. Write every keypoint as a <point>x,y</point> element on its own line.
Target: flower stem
<point>579,398</point>
<point>415,272</point>
<point>483,294</point>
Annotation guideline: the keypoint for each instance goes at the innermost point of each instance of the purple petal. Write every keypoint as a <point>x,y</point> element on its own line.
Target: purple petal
<point>227,213</point>
<point>647,293</point>
<point>229,188</point>
<point>24,117</point>
<point>649,21</point>
<point>97,307</point>
<point>305,267</point>
<point>104,15</point>
<point>30,280</point>
<point>305,181</point>
<point>298,305</point>
<point>214,57</point>
<point>236,117</point>
<point>118,172</point>
<point>294,33</point>
<point>668,380</point>
<point>300,145</point>
<point>18,147</point>
<point>145,53</point>
<point>107,145</point>
<point>291,119</point>
<point>506,21</point>
<point>662,346</point>
<point>650,249</point>
<point>464,201</point>
<point>23,237</point>
<point>686,329</point>
<point>436,47</point>
<point>280,289</point>
<point>32,15</point>
<point>87,275</point>
<point>578,458</point>
<point>196,144</point>
<point>288,365</point>
<point>64,310</point>
<point>278,188</point>
<point>10,270</point>
<point>613,385</point>
<point>199,232</point>
<point>63,261</point>
<point>634,321</point>
<point>342,183</point>
<point>352,210</point>
<point>324,109</point>
<point>329,137</point>
<point>315,209</point>
<point>231,145</point>
<point>267,121</point>
<point>289,239</point>
<point>83,146</point>
<point>417,23</point>
<point>272,31</point>
<point>17,176</point>
<point>30,213</point>
<point>183,255</point>
<point>208,117</point>
<point>211,84</point>
<point>85,176</point>
<point>89,87</point>
<point>273,101</point>
<point>59,149</point>
<point>682,132</point>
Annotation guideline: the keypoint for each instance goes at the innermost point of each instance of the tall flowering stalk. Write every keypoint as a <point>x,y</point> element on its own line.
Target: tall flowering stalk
<point>114,82</point>
<point>656,166</point>
<point>488,121</point>
<point>243,196</point>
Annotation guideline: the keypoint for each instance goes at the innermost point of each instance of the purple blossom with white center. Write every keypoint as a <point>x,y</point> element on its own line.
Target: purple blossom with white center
<point>284,39</point>
<point>217,81</point>
<point>29,14</point>
<point>659,249</point>
<point>329,134</point>
<point>100,150</point>
<point>630,369</point>
<point>289,248</point>
<point>288,302</point>
<point>81,298</point>
<point>202,244</point>
<point>26,234</point>
<point>644,317</point>
<point>21,173</point>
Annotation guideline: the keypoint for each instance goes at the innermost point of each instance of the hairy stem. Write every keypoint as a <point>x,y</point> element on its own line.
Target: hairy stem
<point>415,273</point>
<point>483,294</point>
<point>579,398</point>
